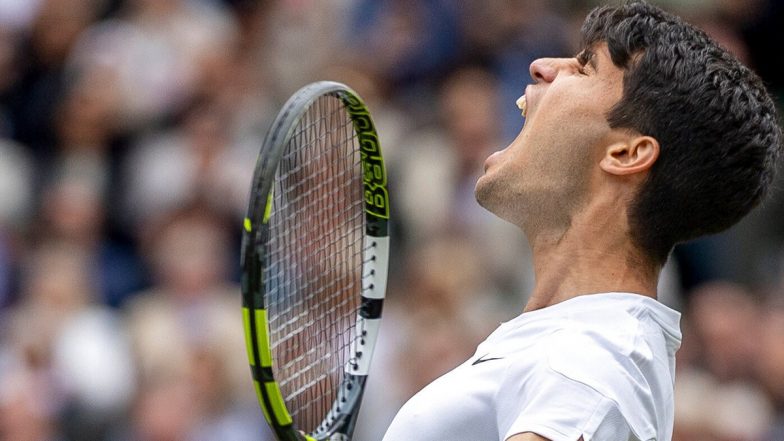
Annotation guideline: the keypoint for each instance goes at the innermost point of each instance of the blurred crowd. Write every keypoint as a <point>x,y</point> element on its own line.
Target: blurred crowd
<point>128,134</point>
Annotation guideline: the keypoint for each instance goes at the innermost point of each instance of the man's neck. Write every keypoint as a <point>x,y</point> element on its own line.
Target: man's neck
<point>594,255</point>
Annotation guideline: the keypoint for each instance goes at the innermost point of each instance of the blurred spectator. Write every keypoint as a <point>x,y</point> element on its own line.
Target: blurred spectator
<point>707,410</point>
<point>72,210</point>
<point>163,410</point>
<point>317,32</point>
<point>196,162</point>
<point>717,396</point>
<point>202,354</point>
<point>726,320</point>
<point>34,99</point>
<point>156,52</point>
<point>74,347</point>
<point>23,414</point>
<point>410,42</point>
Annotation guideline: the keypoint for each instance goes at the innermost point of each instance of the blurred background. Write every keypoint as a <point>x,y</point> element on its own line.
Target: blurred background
<point>128,133</point>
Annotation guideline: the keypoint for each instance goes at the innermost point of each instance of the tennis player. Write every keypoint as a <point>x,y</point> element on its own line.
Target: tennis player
<point>651,136</point>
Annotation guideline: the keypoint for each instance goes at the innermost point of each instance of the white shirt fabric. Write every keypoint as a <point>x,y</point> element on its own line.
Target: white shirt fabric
<point>598,366</point>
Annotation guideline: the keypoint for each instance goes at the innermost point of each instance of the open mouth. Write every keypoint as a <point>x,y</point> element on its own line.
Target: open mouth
<point>522,104</point>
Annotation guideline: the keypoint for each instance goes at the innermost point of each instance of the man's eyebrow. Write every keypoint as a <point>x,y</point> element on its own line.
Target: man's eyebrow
<point>587,56</point>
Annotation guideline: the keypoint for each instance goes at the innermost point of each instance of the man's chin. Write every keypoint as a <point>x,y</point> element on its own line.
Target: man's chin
<point>494,197</point>
<point>479,189</point>
<point>483,192</point>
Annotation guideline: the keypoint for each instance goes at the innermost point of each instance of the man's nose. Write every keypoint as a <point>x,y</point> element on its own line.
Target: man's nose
<point>544,69</point>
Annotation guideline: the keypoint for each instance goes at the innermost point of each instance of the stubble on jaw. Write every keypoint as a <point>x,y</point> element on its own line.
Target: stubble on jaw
<point>546,202</point>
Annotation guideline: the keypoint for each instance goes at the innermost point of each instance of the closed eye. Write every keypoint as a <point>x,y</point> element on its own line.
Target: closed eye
<point>584,58</point>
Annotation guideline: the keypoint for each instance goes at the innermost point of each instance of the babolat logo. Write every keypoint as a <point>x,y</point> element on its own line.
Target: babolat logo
<point>374,175</point>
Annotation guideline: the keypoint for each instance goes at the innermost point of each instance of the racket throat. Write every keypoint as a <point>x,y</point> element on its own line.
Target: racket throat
<point>342,417</point>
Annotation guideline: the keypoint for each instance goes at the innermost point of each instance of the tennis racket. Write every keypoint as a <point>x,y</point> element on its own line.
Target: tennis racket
<point>314,261</point>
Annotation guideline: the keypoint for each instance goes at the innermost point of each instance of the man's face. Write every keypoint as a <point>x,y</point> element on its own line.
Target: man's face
<point>543,176</point>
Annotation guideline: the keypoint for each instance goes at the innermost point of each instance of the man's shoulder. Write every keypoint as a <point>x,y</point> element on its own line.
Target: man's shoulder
<point>628,370</point>
<point>618,325</point>
<point>578,379</point>
<point>579,352</point>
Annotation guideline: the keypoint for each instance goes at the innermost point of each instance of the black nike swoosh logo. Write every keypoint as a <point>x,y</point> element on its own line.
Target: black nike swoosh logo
<point>482,359</point>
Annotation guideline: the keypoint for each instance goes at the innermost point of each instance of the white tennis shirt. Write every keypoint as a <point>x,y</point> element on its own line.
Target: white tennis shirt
<point>600,366</point>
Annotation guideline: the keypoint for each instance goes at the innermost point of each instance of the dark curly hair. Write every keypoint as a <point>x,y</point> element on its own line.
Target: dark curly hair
<point>717,126</point>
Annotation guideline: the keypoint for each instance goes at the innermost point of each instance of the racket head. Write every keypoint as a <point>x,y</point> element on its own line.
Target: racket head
<point>314,260</point>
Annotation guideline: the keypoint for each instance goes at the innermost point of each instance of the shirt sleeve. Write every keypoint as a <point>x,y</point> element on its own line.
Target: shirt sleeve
<point>537,395</point>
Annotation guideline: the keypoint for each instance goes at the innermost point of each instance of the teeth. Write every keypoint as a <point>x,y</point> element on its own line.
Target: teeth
<point>522,104</point>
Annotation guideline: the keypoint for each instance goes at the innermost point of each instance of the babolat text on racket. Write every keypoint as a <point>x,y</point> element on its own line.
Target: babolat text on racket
<point>314,261</point>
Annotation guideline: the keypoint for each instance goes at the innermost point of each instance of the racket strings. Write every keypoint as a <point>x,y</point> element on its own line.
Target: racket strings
<point>313,271</point>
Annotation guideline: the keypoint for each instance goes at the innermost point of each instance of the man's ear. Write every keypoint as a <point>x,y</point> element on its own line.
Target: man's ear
<point>630,156</point>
